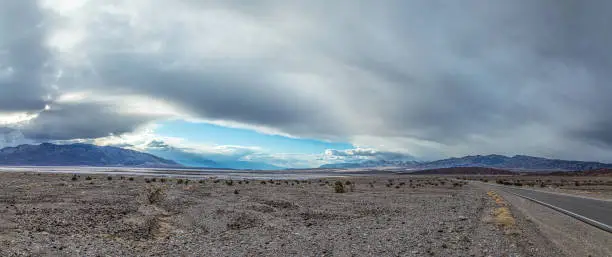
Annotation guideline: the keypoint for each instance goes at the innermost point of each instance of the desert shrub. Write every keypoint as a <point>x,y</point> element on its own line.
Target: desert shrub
<point>262,182</point>
<point>348,183</point>
<point>147,180</point>
<point>229,182</point>
<point>339,187</point>
<point>402,183</point>
<point>74,178</point>
<point>577,183</point>
<point>154,180</point>
<point>236,192</point>
<point>163,180</point>
<point>180,181</point>
<point>240,182</point>
<point>156,195</point>
<point>88,178</point>
<point>397,186</point>
<point>131,179</point>
<point>109,178</point>
<point>518,184</point>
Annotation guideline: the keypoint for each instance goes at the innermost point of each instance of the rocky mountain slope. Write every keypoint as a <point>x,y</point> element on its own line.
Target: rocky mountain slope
<point>47,154</point>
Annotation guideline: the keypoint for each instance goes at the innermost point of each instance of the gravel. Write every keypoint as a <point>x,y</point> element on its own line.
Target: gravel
<point>52,215</point>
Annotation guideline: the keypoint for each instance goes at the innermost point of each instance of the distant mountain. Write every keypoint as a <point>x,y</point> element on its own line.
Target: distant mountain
<point>194,159</point>
<point>370,164</point>
<point>465,171</point>
<point>518,162</point>
<point>47,154</point>
<point>180,156</point>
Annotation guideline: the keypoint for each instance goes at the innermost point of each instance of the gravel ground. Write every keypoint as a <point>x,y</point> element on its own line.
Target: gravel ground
<point>566,234</point>
<point>54,215</point>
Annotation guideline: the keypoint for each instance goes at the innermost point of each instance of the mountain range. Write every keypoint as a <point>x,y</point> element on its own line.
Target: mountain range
<point>47,154</point>
<point>517,162</point>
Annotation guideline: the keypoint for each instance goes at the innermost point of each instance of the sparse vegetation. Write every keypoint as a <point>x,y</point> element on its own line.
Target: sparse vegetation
<point>339,187</point>
<point>155,195</point>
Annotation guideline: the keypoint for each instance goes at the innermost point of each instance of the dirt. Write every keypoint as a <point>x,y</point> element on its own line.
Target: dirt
<point>58,215</point>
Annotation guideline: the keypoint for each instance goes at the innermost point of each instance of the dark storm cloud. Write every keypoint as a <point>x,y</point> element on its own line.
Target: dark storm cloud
<point>457,77</point>
<point>81,121</point>
<point>22,56</point>
<point>239,91</point>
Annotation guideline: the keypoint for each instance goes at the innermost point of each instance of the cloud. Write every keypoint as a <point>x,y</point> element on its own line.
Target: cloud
<point>23,75</point>
<point>73,121</point>
<point>359,154</point>
<point>432,78</point>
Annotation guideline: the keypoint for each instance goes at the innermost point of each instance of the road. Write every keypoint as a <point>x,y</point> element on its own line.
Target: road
<point>599,211</point>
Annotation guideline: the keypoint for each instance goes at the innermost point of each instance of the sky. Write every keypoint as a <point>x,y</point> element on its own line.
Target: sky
<point>303,83</point>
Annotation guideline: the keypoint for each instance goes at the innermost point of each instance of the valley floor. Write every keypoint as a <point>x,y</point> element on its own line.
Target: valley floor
<point>62,215</point>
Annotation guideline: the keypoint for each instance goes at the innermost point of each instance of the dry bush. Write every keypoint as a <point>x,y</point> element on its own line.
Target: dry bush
<point>503,217</point>
<point>156,195</point>
<point>339,187</point>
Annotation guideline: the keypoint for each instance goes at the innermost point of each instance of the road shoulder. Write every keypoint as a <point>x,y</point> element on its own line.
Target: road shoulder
<point>570,236</point>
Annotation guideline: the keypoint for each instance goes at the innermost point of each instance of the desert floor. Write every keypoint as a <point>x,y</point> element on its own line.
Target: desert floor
<point>95,215</point>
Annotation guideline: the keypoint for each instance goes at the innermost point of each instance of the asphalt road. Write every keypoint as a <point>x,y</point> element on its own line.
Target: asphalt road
<point>597,210</point>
